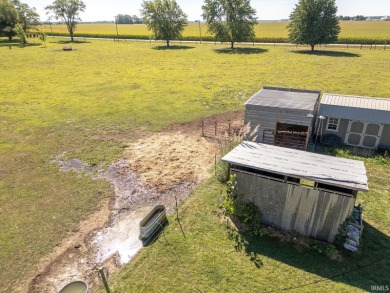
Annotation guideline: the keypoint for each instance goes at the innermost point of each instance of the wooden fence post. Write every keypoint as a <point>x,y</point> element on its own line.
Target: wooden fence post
<point>215,165</point>
<point>202,128</point>
<point>215,128</point>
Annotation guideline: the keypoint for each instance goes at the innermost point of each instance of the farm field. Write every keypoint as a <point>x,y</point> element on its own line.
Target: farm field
<point>90,103</point>
<point>349,30</point>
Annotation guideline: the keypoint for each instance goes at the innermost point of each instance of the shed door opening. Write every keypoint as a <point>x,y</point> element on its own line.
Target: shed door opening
<point>291,136</point>
<point>363,134</point>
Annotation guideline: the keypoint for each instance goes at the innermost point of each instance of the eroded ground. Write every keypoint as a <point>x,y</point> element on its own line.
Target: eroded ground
<point>158,169</point>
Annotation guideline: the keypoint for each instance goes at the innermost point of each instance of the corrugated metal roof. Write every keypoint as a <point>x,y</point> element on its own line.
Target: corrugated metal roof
<point>289,162</point>
<point>355,108</point>
<point>285,98</point>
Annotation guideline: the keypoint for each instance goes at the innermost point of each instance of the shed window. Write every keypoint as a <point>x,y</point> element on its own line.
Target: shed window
<point>333,124</point>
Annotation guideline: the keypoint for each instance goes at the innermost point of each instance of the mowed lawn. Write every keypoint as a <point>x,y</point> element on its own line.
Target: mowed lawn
<point>273,29</point>
<point>91,102</point>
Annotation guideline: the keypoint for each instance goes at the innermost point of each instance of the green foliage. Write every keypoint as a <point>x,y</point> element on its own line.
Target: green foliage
<point>127,19</point>
<point>91,113</point>
<point>68,11</point>
<point>314,22</point>
<point>222,168</point>
<point>370,32</point>
<point>250,215</point>
<point>28,17</point>
<point>20,33</point>
<point>342,233</point>
<point>247,213</point>
<point>241,244</point>
<point>43,37</point>
<point>230,205</point>
<point>164,18</point>
<point>8,19</point>
<point>230,20</point>
<point>324,248</point>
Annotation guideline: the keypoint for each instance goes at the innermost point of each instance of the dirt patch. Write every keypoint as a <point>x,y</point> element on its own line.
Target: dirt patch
<point>163,161</point>
<point>158,169</point>
<point>179,154</point>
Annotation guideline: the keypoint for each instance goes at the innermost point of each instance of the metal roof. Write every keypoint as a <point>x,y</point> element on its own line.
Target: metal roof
<point>355,108</point>
<point>330,170</point>
<point>285,98</point>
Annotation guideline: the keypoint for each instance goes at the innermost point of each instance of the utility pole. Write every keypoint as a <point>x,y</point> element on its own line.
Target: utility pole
<point>116,26</point>
<point>200,32</point>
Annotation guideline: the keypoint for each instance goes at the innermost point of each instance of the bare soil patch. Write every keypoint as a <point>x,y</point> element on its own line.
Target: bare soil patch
<point>157,169</point>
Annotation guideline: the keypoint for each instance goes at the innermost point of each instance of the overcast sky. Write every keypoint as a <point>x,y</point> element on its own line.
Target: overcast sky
<point>266,9</point>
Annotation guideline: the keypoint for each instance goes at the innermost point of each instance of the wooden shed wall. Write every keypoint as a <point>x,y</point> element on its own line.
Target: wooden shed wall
<point>266,118</point>
<point>262,117</point>
<point>290,207</point>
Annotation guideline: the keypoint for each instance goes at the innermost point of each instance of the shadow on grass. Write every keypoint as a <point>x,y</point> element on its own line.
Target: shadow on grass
<point>363,269</point>
<point>62,42</point>
<point>327,53</point>
<point>172,47</point>
<point>241,51</point>
<point>12,44</point>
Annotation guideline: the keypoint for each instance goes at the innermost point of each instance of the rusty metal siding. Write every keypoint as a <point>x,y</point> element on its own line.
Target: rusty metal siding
<point>289,207</point>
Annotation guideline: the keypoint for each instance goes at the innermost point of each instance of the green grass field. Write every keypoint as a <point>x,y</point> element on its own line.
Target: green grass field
<point>91,102</point>
<point>349,30</point>
<point>210,263</point>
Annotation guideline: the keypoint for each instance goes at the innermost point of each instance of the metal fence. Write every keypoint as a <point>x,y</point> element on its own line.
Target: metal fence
<point>221,130</point>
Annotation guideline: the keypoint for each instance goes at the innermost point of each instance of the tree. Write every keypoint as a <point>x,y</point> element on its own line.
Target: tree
<point>43,37</point>
<point>20,33</point>
<point>360,17</point>
<point>28,17</point>
<point>137,19</point>
<point>165,18</point>
<point>68,11</point>
<point>230,20</point>
<point>8,19</point>
<point>314,22</point>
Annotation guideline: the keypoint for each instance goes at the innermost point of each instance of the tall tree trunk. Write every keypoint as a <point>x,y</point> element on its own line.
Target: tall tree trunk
<point>167,43</point>
<point>71,36</point>
<point>232,45</point>
<point>312,47</point>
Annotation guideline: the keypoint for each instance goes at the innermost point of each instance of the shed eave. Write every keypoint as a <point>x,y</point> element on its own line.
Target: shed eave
<point>329,170</point>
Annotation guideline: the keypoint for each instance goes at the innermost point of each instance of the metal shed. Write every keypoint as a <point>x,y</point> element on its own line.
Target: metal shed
<point>295,190</point>
<point>283,116</point>
<point>356,121</point>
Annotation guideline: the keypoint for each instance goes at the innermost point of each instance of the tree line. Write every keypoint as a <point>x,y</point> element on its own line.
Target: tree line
<point>127,19</point>
<point>312,22</point>
<point>16,18</point>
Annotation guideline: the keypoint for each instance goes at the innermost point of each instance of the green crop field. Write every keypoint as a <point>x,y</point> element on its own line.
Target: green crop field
<point>91,102</point>
<point>350,30</point>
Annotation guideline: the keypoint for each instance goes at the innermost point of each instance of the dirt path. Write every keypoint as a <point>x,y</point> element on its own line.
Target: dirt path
<point>154,170</point>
